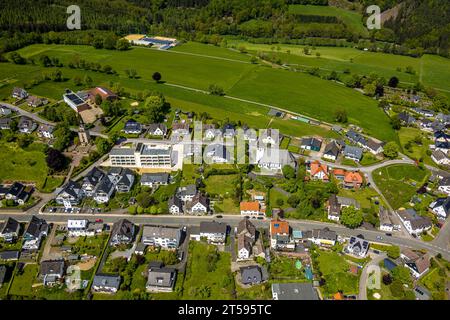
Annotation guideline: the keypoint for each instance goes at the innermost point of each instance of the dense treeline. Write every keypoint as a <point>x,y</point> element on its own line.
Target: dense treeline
<point>420,27</point>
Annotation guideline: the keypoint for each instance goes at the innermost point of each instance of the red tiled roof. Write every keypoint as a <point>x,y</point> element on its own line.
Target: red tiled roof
<point>279,227</point>
<point>250,206</point>
<point>353,177</point>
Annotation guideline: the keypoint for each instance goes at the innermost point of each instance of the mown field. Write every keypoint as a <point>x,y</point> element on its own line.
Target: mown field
<point>292,91</point>
<point>429,69</point>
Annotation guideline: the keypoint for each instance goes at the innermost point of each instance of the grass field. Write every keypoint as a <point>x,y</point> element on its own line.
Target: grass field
<point>351,19</point>
<point>284,89</point>
<point>363,196</point>
<point>23,165</point>
<point>334,269</point>
<point>396,182</point>
<point>416,151</point>
<point>205,280</point>
<point>21,285</point>
<point>221,184</point>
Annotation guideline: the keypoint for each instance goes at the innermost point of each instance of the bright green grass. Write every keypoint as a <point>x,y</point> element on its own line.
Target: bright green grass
<point>351,19</point>
<point>368,159</point>
<point>313,97</point>
<point>210,50</point>
<point>22,165</point>
<point>275,195</point>
<point>293,91</point>
<point>363,196</point>
<point>435,283</point>
<point>221,184</point>
<point>417,151</point>
<point>21,285</point>
<point>395,182</point>
<point>219,282</point>
<point>283,268</point>
<point>335,271</point>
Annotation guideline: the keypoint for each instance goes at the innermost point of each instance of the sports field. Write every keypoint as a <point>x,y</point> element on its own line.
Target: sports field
<point>187,67</point>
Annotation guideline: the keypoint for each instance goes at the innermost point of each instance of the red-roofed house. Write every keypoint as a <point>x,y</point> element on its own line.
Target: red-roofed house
<point>252,208</point>
<point>353,180</point>
<point>319,171</point>
<point>280,236</point>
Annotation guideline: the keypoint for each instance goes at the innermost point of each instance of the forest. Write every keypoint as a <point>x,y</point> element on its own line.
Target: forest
<point>421,26</point>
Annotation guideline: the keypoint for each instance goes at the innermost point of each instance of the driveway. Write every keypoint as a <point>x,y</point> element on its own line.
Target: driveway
<point>368,268</point>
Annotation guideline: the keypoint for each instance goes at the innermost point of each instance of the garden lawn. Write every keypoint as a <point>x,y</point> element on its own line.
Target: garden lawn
<point>363,196</point>
<point>435,283</point>
<point>224,185</point>
<point>21,285</point>
<point>395,182</point>
<point>283,268</point>
<point>334,269</point>
<point>416,151</point>
<point>203,283</point>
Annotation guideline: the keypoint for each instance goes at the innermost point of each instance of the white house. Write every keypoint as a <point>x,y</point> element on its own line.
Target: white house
<point>175,205</point>
<point>440,157</point>
<point>244,247</point>
<point>444,185</point>
<point>214,232</point>
<point>357,247</point>
<point>104,191</point>
<point>163,237</point>
<point>79,228</point>
<point>198,205</point>
<point>414,223</point>
<point>441,207</point>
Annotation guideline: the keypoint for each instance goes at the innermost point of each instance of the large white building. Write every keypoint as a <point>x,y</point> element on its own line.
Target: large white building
<point>159,236</point>
<point>142,156</point>
<point>78,228</point>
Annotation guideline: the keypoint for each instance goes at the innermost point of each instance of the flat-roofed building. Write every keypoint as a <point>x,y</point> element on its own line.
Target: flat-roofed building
<point>142,156</point>
<point>159,236</point>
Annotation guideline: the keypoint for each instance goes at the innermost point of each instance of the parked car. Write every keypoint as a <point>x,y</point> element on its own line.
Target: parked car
<point>389,234</point>
<point>219,216</point>
<point>376,251</point>
<point>99,220</point>
<point>379,238</point>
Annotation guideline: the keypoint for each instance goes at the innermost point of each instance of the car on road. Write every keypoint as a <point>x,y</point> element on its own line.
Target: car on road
<point>389,234</point>
<point>181,256</point>
<point>219,216</point>
<point>261,218</point>
<point>379,238</point>
<point>376,251</point>
<point>99,220</point>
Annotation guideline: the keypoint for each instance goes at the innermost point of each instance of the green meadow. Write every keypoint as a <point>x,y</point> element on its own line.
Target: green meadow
<point>196,66</point>
<point>353,20</point>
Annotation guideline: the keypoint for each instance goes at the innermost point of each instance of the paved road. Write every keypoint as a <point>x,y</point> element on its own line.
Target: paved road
<point>233,221</point>
<point>362,295</point>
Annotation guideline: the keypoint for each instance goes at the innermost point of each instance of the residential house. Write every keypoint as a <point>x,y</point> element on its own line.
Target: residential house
<point>437,126</point>
<point>106,283</point>
<point>214,232</point>
<point>163,237</point>
<point>331,151</point>
<point>406,119</point>
<point>444,185</point>
<point>19,93</point>
<point>161,279</point>
<point>322,237</point>
<point>414,223</point>
<point>280,235</point>
<point>274,159</point>
<point>26,125</point>
<point>353,180</point>
<point>9,255</point>
<point>444,118</point>
<point>5,123</point>
<point>333,208</point>
<point>198,205</point>
<point>246,227</point>
<point>46,131</point>
<point>217,153</point>
<point>385,220</point>
<point>123,232</point>
<point>245,245</point>
<point>180,129</point>
<point>250,208</point>
<point>157,129</point>
<point>319,171</point>
<point>91,180</point>
<point>5,111</point>
<point>175,205</point>
<point>154,179</point>
<point>52,272</point>
<point>9,230</point>
<point>250,135</point>
<point>353,153</point>
<point>373,146</point>
<point>441,207</point>
<point>70,195</point>
<point>440,157</point>
<point>187,193</point>
<point>122,178</point>
<point>228,131</point>
<point>19,193</point>
<point>37,229</point>
<point>132,127</point>
<point>104,93</point>
<point>35,102</point>
<point>210,132</point>
<point>357,246</point>
<point>312,144</point>
<point>418,266</point>
<point>103,191</point>
<point>78,228</point>
<point>269,137</point>
<point>251,275</point>
<point>294,291</point>
<point>424,112</point>
<point>339,174</point>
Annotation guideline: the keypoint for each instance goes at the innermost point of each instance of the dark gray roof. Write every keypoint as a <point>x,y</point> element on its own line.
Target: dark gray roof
<point>36,227</point>
<point>213,227</point>
<point>354,152</point>
<point>123,227</point>
<point>2,274</point>
<point>155,177</point>
<point>94,176</point>
<point>154,126</point>
<point>52,267</point>
<point>161,277</point>
<point>332,149</point>
<point>72,188</point>
<point>15,189</point>
<point>11,225</point>
<point>107,281</point>
<point>312,142</point>
<point>132,125</point>
<point>295,291</point>
<point>104,186</point>
<point>245,225</point>
<point>444,202</point>
<point>251,274</point>
<point>9,255</point>
<point>174,200</point>
<point>324,233</point>
<point>187,190</point>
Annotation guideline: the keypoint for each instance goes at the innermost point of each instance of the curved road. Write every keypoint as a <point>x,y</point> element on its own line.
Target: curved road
<point>362,295</point>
